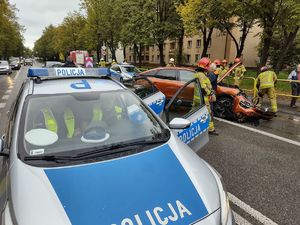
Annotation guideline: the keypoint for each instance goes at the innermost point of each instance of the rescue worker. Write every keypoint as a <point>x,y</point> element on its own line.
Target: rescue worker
<point>266,81</point>
<point>203,66</point>
<point>69,62</point>
<point>218,70</point>
<point>224,66</point>
<point>239,72</point>
<point>102,63</point>
<point>171,63</point>
<point>295,76</point>
<point>114,62</point>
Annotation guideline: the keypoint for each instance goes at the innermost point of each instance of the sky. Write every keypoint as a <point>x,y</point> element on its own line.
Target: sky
<point>35,15</point>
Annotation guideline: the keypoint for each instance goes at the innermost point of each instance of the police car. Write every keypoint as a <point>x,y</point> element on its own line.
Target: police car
<point>81,148</point>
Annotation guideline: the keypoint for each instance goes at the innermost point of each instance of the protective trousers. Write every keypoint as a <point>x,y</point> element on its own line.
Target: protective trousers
<point>271,95</point>
<point>295,92</point>
<point>211,122</point>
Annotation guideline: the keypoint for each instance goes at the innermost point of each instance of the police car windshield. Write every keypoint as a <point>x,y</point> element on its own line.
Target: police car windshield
<point>76,122</point>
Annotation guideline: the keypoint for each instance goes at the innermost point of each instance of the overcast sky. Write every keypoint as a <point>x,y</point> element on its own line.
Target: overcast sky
<point>35,15</point>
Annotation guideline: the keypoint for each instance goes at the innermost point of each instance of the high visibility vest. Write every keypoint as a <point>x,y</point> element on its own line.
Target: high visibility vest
<point>239,71</point>
<point>118,111</point>
<point>102,63</point>
<point>205,84</point>
<point>266,79</point>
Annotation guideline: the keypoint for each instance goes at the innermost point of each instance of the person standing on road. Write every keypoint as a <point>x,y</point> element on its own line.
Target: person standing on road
<point>171,63</point>
<point>295,75</point>
<point>114,62</point>
<point>102,63</point>
<point>239,73</point>
<point>209,94</point>
<point>266,81</point>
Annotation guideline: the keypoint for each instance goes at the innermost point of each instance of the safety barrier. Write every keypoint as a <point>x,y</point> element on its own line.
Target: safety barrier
<point>282,87</point>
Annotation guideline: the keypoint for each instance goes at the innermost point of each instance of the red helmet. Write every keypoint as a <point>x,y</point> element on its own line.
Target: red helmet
<point>224,61</point>
<point>217,62</point>
<point>204,63</point>
<point>237,60</point>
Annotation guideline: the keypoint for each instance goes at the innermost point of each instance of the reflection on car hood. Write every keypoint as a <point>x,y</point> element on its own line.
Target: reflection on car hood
<point>169,181</point>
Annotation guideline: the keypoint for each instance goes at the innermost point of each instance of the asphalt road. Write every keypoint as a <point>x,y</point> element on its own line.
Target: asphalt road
<point>261,171</point>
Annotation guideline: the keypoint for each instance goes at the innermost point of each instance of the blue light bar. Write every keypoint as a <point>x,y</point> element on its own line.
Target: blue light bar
<point>67,72</point>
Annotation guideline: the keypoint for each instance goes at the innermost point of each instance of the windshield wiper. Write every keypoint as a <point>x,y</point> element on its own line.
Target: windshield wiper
<point>50,158</point>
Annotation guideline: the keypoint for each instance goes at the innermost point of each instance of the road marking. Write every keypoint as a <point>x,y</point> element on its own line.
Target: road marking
<point>18,73</point>
<point>8,91</point>
<point>240,220</point>
<point>5,97</point>
<point>2,105</point>
<point>248,209</point>
<point>261,132</point>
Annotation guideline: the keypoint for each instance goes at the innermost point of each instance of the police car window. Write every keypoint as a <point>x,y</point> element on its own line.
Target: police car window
<point>141,87</point>
<point>116,68</point>
<point>166,74</point>
<point>70,123</point>
<point>185,103</point>
<point>186,75</point>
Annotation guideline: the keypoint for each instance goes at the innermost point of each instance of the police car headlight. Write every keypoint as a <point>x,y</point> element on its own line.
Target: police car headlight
<point>6,216</point>
<point>224,200</point>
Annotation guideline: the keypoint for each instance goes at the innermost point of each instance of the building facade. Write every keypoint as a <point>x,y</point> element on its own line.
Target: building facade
<point>221,47</point>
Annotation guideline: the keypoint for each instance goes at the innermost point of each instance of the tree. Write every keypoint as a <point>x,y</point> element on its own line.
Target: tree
<point>199,15</point>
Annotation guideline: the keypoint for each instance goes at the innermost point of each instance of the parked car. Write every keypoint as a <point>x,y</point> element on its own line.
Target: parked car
<point>121,165</point>
<point>15,64</point>
<point>28,62</point>
<point>53,64</point>
<point>5,67</point>
<point>232,103</point>
<point>125,71</point>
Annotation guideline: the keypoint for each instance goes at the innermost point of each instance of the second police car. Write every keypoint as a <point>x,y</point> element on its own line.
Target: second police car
<point>81,148</point>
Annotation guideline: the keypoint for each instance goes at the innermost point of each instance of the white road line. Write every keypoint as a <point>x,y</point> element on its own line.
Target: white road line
<point>240,220</point>
<point>18,73</point>
<point>260,132</point>
<point>5,97</point>
<point>2,105</point>
<point>248,209</point>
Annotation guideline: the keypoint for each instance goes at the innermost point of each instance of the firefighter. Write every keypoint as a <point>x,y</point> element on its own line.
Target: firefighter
<point>224,66</point>
<point>239,72</point>
<point>102,63</point>
<point>266,81</point>
<point>218,71</point>
<point>171,63</point>
<point>114,62</point>
<point>208,92</point>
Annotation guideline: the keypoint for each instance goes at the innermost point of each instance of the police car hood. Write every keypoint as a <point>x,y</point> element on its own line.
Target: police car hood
<point>166,185</point>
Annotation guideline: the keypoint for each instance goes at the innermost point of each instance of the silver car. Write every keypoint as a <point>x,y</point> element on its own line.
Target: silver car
<point>5,67</point>
<point>81,148</point>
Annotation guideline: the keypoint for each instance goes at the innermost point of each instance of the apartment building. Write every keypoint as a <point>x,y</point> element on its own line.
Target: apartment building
<point>221,47</point>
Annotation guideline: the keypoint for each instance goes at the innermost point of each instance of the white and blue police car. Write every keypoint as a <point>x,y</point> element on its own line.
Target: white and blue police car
<point>83,149</point>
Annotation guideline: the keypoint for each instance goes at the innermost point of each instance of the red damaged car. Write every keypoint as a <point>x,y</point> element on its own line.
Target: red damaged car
<point>232,103</point>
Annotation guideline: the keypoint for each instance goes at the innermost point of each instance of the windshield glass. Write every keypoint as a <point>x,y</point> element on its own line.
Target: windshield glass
<point>79,122</point>
<point>3,63</point>
<point>130,69</point>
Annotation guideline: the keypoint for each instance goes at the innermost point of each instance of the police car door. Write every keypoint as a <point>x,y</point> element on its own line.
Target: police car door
<point>147,91</point>
<point>183,105</point>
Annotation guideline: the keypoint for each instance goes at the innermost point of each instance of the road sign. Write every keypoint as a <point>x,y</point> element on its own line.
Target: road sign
<point>89,62</point>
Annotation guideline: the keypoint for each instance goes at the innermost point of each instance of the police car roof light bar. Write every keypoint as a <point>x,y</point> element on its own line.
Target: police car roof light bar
<point>67,72</point>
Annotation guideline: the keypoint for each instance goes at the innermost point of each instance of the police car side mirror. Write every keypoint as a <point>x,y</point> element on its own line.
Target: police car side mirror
<point>179,123</point>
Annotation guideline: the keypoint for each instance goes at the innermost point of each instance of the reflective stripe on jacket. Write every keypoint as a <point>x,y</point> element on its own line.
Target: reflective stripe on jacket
<point>266,79</point>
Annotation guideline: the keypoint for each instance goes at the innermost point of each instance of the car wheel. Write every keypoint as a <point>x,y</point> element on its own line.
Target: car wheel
<point>240,117</point>
<point>223,107</point>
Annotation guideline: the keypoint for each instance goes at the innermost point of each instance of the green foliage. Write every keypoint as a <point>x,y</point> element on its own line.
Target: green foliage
<point>11,39</point>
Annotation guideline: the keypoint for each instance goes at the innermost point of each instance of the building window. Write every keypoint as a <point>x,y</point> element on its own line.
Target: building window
<point>172,45</point>
<point>198,43</point>
<point>157,58</point>
<point>190,44</point>
<point>152,58</point>
<point>188,58</point>
<point>197,57</point>
<point>147,58</point>
<point>129,58</point>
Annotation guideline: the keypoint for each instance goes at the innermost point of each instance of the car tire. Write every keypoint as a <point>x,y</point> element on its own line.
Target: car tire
<point>223,107</point>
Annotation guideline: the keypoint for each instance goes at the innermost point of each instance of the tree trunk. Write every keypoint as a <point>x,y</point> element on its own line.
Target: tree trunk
<point>124,52</point>
<point>134,53</point>
<point>161,54</point>
<point>180,48</point>
<point>285,48</point>
<point>140,55</point>
<point>266,43</point>
<point>206,41</point>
